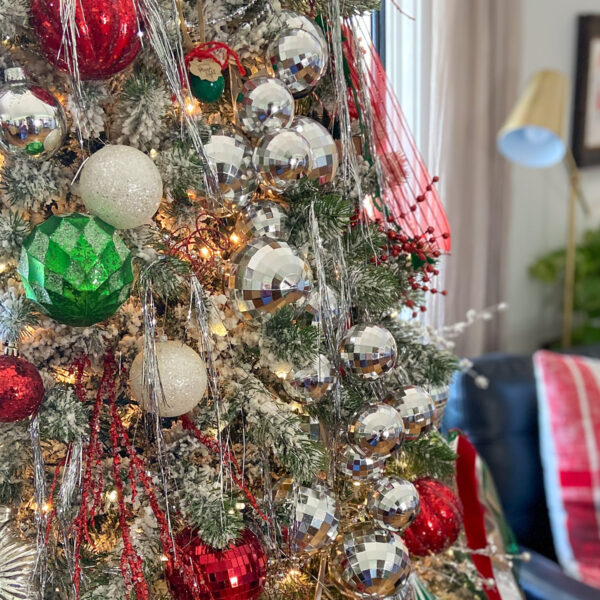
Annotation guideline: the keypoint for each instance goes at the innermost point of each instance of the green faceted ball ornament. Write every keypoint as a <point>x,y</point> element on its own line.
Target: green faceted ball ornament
<point>206,90</point>
<point>76,269</point>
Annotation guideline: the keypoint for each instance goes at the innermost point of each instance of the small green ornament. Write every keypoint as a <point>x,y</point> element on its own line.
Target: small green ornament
<point>34,148</point>
<point>205,90</point>
<point>76,269</point>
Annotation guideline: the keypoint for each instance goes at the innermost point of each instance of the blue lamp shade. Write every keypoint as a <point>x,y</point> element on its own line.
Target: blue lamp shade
<point>533,135</point>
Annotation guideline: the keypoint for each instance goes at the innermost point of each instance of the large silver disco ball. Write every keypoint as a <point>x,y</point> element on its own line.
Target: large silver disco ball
<point>265,275</point>
<point>369,562</point>
<point>299,59</point>
<point>376,429</point>
<point>264,105</point>
<point>230,156</point>
<point>393,503</point>
<point>368,351</point>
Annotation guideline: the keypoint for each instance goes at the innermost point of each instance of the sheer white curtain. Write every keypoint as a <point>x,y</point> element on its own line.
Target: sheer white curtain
<point>455,69</point>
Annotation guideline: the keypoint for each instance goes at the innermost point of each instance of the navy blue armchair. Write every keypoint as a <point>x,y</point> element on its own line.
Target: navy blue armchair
<point>502,423</point>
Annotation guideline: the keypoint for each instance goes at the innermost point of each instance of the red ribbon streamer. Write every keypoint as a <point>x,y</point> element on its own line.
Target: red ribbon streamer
<point>409,195</point>
<point>474,521</point>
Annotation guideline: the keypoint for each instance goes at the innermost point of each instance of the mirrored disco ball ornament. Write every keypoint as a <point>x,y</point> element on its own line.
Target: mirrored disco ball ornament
<point>121,185</point>
<point>393,503</point>
<point>417,410</point>
<point>440,395</point>
<point>262,219</point>
<point>323,149</point>
<point>368,351</point>
<point>230,156</point>
<point>281,158</point>
<point>315,381</point>
<point>76,269</point>
<point>310,426</point>
<point>237,572</point>
<point>369,562</point>
<point>299,59</point>
<point>376,429</point>
<point>312,308</point>
<point>356,465</point>
<point>265,275</point>
<point>294,20</point>
<point>314,516</point>
<point>264,105</point>
<point>32,120</point>
<point>17,561</point>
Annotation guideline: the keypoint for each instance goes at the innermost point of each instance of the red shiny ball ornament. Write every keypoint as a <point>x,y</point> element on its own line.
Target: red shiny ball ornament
<point>439,520</point>
<point>21,389</point>
<point>236,573</point>
<point>107,35</point>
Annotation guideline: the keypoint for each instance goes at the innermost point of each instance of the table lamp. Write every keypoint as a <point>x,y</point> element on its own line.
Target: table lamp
<point>534,136</point>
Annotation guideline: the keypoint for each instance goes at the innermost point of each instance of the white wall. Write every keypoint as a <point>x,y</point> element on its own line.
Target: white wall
<point>539,202</point>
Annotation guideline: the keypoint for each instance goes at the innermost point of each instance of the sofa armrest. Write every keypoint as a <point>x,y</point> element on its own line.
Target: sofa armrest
<point>543,579</point>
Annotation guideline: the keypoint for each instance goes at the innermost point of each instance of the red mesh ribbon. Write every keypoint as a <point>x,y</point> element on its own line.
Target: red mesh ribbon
<point>409,194</point>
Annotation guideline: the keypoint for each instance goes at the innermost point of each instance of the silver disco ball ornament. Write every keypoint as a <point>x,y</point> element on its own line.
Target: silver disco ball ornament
<point>18,560</point>
<point>369,562</point>
<point>281,158</point>
<point>368,351</point>
<point>417,410</point>
<point>440,395</point>
<point>376,429</point>
<point>323,149</point>
<point>32,120</point>
<point>265,275</point>
<point>310,426</point>
<point>314,519</point>
<point>356,465</point>
<point>264,105</point>
<point>393,503</point>
<point>299,59</point>
<point>262,219</point>
<point>313,305</point>
<point>230,155</point>
<point>293,20</point>
<point>315,381</point>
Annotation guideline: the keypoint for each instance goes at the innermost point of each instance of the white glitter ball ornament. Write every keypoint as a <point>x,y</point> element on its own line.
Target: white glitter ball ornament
<point>182,376</point>
<point>121,185</point>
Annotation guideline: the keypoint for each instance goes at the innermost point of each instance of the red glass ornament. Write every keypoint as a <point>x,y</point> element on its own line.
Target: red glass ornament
<point>236,573</point>
<point>107,35</point>
<point>439,520</point>
<point>21,389</point>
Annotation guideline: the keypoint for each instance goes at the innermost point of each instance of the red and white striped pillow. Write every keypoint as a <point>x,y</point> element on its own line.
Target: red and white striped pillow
<point>569,407</point>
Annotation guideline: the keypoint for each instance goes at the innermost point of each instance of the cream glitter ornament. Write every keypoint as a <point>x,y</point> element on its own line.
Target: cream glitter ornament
<point>121,186</point>
<point>182,376</point>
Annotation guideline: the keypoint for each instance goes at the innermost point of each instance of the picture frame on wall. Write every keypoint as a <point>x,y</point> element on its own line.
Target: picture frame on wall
<point>586,115</point>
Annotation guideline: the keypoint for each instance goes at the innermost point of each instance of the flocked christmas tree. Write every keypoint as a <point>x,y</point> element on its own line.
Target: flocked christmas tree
<point>221,389</point>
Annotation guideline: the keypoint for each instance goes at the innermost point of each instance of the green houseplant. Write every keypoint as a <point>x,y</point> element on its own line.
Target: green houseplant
<point>550,269</point>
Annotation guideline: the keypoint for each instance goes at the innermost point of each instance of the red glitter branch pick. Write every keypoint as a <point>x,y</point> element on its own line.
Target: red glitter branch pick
<point>228,458</point>
<point>131,562</point>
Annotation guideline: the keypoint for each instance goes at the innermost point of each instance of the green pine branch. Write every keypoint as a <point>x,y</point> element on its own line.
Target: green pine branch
<point>290,340</point>
<point>429,456</point>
